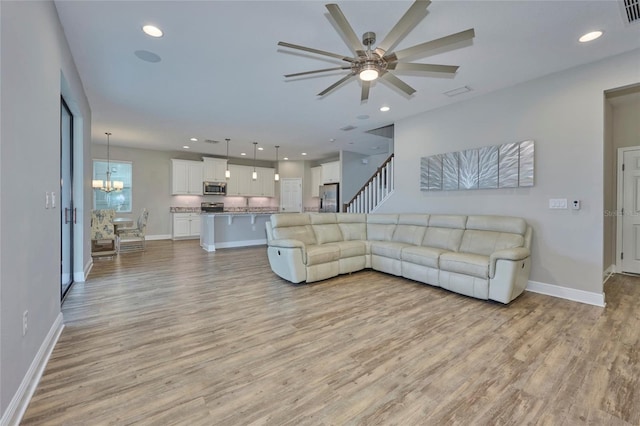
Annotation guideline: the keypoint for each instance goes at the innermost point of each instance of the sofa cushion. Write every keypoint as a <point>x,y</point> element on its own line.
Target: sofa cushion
<point>329,233</point>
<point>352,225</point>
<point>465,263</point>
<point>351,248</point>
<point>443,238</point>
<point>292,226</point>
<point>380,227</point>
<point>392,250</point>
<point>322,218</point>
<point>410,228</point>
<point>447,221</point>
<point>512,225</point>
<point>487,242</point>
<point>425,256</point>
<point>318,254</point>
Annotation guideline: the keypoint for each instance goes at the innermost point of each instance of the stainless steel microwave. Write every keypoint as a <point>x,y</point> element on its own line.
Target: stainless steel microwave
<point>214,188</point>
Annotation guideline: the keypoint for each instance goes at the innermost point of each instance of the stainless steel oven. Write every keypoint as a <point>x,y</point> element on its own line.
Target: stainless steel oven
<point>214,188</point>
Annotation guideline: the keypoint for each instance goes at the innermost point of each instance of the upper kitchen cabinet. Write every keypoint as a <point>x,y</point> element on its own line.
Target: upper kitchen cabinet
<point>214,169</point>
<point>331,172</point>
<point>242,184</point>
<point>186,177</point>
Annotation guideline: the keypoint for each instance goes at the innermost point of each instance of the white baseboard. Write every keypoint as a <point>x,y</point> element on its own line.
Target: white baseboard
<point>158,237</point>
<point>81,277</point>
<point>596,299</point>
<point>245,243</point>
<point>22,397</point>
<point>608,272</point>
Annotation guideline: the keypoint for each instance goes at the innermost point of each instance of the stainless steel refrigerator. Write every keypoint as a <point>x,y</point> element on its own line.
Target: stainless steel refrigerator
<point>329,195</point>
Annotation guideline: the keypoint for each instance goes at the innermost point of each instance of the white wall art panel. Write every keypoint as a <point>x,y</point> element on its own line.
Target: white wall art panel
<point>468,164</point>
<point>488,167</point>
<point>525,177</point>
<point>450,171</point>
<point>509,165</point>
<point>435,172</point>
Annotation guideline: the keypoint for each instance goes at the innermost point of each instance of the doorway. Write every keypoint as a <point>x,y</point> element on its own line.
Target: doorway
<point>67,209</point>
<point>629,210</point>
<point>291,195</point>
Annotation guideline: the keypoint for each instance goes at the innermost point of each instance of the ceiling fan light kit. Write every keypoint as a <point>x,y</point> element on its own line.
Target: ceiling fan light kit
<point>370,64</point>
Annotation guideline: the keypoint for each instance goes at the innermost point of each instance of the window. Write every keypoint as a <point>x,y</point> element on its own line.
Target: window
<point>120,201</point>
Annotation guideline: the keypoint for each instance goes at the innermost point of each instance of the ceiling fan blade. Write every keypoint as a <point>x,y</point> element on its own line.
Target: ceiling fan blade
<point>424,48</point>
<point>354,41</point>
<point>316,71</point>
<point>365,91</point>
<point>404,66</point>
<point>312,50</point>
<point>390,78</point>
<point>415,13</point>
<point>336,84</point>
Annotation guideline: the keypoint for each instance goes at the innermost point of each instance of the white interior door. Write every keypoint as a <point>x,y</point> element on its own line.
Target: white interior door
<point>291,195</point>
<point>631,212</point>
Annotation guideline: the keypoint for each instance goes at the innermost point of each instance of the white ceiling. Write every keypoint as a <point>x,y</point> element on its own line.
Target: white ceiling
<point>221,71</point>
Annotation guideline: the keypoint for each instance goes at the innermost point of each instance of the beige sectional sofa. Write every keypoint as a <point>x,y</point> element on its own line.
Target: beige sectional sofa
<point>487,257</point>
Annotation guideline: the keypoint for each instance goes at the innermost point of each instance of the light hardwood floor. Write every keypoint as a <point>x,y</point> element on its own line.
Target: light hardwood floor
<point>177,335</point>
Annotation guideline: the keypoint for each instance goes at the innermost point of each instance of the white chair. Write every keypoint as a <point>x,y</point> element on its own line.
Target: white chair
<point>131,239</point>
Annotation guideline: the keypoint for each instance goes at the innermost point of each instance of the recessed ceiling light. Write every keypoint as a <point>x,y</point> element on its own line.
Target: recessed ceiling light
<point>260,148</point>
<point>590,36</point>
<point>332,140</point>
<point>194,139</point>
<point>152,31</point>
<point>375,147</point>
<point>243,153</point>
<point>362,117</point>
<point>147,56</point>
<point>304,153</point>
<point>384,108</point>
<point>285,158</point>
<point>185,146</point>
<point>457,91</point>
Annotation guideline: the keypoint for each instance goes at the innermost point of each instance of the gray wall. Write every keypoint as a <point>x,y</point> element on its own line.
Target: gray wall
<point>564,114</point>
<point>34,61</point>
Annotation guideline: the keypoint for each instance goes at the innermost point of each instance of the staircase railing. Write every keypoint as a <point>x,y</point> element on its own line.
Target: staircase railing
<point>373,193</point>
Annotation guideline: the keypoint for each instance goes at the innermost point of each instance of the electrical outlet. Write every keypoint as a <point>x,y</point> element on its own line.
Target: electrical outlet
<point>25,322</point>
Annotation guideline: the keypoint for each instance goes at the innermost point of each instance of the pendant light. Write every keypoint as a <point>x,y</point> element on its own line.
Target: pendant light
<point>254,175</point>
<point>276,177</point>
<point>227,173</point>
<point>108,185</point>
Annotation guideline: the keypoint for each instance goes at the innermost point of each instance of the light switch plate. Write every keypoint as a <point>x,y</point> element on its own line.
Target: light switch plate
<point>557,203</point>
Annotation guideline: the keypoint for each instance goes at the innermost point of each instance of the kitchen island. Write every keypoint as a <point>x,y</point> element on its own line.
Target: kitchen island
<point>233,229</point>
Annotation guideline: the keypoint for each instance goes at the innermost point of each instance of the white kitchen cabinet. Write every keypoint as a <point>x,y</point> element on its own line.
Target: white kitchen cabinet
<point>316,181</point>
<point>186,177</point>
<point>214,169</point>
<point>186,225</point>
<point>331,172</point>
<point>239,184</point>
<point>242,184</point>
<point>264,186</point>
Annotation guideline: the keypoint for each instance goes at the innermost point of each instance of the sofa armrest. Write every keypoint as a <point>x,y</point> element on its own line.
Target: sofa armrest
<point>287,243</point>
<point>516,253</point>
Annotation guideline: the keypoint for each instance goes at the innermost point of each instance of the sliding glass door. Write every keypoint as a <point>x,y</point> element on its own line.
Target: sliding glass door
<point>67,210</point>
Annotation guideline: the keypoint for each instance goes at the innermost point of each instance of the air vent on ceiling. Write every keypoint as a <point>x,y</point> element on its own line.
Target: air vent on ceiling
<point>385,131</point>
<point>631,10</point>
<point>347,128</point>
<point>211,141</point>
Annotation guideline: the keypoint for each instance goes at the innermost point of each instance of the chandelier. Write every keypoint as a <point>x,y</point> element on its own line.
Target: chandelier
<point>107,185</point>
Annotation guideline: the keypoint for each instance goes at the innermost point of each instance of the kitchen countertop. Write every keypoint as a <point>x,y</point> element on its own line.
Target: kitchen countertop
<point>232,210</point>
